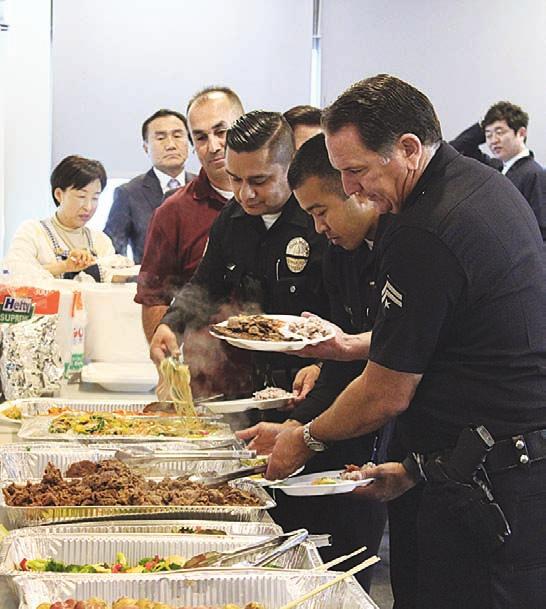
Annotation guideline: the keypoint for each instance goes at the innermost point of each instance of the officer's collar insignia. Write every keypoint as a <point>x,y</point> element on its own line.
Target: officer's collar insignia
<point>297,254</point>
<point>391,296</point>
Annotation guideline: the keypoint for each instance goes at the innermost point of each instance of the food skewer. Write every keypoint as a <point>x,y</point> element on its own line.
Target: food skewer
<point>363,565</point>
<point>340,559</point>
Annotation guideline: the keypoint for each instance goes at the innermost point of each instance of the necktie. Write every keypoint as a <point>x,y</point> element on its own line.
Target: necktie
<point>172,184</point>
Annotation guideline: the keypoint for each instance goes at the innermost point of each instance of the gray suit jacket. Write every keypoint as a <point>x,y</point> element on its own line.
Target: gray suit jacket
<point>133,206</point>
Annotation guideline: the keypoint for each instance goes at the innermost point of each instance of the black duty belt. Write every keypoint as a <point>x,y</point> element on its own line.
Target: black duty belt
<point>517,451</point>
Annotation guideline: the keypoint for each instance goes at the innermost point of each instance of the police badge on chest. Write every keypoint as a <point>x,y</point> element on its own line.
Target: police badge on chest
<point>297,254</point>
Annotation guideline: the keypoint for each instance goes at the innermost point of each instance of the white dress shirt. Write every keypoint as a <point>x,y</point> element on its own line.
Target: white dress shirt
<point>164,179</point>
<point>506,166</point>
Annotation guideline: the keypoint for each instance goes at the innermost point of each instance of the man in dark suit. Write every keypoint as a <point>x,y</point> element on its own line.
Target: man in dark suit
<point>165,140</point>
<point>504,129</point>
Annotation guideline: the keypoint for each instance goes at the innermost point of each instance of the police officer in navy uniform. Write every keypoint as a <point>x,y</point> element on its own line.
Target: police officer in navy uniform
<point>263,253</point>
<point>458,351</point>
<point>353,228</point>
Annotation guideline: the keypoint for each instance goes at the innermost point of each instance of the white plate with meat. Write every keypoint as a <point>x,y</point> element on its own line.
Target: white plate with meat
<point>266,399</point>
<point>323,483</point>
<point>272,332</point>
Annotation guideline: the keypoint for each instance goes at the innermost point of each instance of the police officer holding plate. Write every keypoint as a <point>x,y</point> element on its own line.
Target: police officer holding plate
<point>458,353</point>
<point>263,254</point>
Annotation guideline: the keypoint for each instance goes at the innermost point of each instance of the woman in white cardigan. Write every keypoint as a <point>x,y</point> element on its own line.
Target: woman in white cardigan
<point>63,245</point>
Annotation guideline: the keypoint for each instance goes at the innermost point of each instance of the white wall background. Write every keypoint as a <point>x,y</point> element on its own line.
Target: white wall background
<point>26,116</point>
<point>115,63</point>
<point>464,54</point>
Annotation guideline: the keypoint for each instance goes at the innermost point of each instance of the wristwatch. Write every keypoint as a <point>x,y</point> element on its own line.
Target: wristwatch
<point>312,443</point>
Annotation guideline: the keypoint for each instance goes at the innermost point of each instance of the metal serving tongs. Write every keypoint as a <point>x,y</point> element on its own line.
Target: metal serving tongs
<point>142,455</point>
<point>222,478</point>
<point>267,551</point>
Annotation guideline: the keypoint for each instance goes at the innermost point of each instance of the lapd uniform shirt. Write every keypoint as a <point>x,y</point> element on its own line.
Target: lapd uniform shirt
<point>276,270</point>
<point>350,280</point>
<point>463,302</point>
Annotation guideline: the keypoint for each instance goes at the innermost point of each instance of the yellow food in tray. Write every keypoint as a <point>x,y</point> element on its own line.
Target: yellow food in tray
<point>108,424</point>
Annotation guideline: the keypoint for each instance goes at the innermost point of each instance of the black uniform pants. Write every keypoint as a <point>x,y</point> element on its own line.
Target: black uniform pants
<point>448,569</point>
<point>351,520</point>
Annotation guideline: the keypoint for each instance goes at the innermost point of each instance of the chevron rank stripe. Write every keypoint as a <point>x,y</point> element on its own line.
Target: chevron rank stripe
<point>389,294</point>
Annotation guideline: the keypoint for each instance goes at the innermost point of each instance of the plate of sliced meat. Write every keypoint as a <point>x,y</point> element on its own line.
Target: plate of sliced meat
<point>265,399</point>
<point>272,332</point>
<point>331,482</point>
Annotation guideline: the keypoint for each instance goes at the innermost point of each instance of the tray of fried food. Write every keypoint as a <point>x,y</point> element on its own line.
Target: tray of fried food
<point>206,589</point>
<point>117,491</point>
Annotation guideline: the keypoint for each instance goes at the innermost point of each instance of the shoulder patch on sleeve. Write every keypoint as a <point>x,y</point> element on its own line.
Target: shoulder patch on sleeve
<point>392,298</point>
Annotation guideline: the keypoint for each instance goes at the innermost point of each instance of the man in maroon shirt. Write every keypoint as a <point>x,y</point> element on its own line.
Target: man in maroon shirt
<point>179,228</point>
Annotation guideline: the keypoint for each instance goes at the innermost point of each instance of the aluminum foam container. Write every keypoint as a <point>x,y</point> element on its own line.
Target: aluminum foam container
<point>89,548</point>
<point>272,588</point>
<point>38,429</point>
<point>17,517</point>
<point>265,527</point>
<point>23,461</point>
<point>31,407</point>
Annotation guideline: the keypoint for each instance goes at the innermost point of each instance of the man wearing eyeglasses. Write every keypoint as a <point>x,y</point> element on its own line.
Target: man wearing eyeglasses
<point>504,129</point>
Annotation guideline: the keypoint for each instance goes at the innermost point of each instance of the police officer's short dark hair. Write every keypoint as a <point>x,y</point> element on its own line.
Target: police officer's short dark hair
<point>311,160</point>
<point>229,93</point>
<point>383,108</point>
<point>160,114</point>
<point>303,115</point>
<point>76,172</point>
<point>259,128</point>
<point>514,116</point>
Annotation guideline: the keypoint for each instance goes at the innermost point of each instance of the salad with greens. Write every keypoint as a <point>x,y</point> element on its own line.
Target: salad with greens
<point>120,565</point>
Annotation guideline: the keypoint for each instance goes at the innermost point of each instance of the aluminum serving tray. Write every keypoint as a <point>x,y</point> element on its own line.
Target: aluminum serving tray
<point>31,407</point>
<point>265,527</point>
<point>20,462</point>
<point>207,587</point>
<point>38,429</point>
<point>17,517</point>
<point>93,548</point>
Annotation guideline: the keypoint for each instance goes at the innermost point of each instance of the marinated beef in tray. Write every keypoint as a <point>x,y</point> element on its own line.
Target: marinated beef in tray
<point>132,603</point>
<point>113,483</point>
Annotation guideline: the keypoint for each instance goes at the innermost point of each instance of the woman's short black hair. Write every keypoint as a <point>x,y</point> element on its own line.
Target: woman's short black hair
<point>76,172</point>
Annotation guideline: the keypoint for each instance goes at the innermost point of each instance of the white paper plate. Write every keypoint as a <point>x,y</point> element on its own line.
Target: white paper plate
<point>265,345</point>
<point>301,486</point>
<point>124,377</point>
<point>231,406</point>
